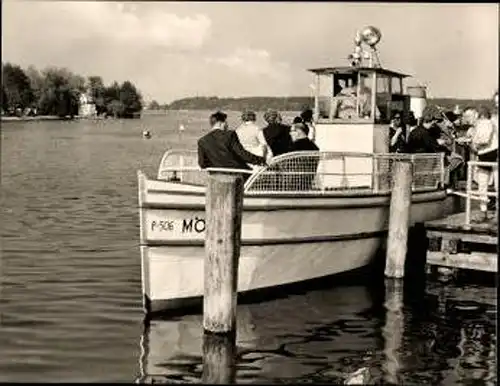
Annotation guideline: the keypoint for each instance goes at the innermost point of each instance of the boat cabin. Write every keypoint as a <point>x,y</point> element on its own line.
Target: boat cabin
<point>353,107</point>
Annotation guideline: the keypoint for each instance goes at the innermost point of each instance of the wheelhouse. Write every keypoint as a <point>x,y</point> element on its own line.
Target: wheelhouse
<point>358,94</point>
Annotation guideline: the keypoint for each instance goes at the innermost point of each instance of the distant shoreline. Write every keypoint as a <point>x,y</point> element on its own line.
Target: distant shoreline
<point>36,118</point>
<point>48,118</point>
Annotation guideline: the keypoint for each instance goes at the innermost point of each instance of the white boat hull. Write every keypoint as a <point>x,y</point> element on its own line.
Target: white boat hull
<point>285,240</point>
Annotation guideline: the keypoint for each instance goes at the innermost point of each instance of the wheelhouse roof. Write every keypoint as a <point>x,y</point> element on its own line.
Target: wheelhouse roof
<point>351,70</point>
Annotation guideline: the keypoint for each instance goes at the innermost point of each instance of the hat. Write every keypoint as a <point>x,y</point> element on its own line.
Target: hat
<point>248,115</point>
<point>219,116</point>
<point>271,116</point>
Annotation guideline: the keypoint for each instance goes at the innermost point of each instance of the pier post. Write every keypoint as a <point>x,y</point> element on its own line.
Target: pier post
<point>224,206</point>
<point>219,353</point>
<point>399,219</point>
<point>393,330</point>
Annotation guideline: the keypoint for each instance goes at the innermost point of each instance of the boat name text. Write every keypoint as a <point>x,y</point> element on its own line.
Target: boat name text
<point>197,224</point>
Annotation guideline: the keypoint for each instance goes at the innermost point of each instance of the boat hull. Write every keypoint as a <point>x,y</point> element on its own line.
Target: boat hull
<point>285,240</point>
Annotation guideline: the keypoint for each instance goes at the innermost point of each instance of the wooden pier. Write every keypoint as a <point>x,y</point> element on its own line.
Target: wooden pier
<point>457,245</point>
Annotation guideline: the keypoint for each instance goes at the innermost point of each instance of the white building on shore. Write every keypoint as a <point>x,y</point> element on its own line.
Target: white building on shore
<point>86,107</point>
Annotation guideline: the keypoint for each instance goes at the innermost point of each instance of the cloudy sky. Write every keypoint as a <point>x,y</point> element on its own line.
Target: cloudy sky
<point>174,50</point>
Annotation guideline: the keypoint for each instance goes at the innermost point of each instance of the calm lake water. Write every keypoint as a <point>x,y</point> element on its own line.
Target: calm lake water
<point>71,292</point>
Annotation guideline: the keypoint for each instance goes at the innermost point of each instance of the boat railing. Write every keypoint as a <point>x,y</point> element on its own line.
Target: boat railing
<point>315,172</point>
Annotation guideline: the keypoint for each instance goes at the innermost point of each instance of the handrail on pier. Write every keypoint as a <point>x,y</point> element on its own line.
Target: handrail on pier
<point>474,194</point>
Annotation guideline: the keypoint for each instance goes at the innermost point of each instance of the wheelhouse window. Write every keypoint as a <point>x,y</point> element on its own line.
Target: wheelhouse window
<point>349,94</point>
<point>344,97</point>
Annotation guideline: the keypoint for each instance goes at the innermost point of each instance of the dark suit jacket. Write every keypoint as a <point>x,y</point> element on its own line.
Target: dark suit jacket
<point>421,141</point>
<point>304,144</point>
<point>278,138</point>
<point>222,149</point>
<point>300,181</point>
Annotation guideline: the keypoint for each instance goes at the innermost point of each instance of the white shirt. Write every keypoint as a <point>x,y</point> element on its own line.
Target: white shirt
<point>251,138</point>
<point>485,136</point>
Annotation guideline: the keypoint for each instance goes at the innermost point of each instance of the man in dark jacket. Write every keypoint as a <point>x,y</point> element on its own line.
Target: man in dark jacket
<point>299,134</point>
<point>420,139</point>
<point>277,134</point>
<point>221,148</point>
<point>301,170</point>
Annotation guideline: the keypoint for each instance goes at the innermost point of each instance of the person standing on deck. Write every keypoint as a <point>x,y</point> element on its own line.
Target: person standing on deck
<point>299,133</point>
<point>420,139</point>
<point>302,169</point>
<point>221,148</point>
<point>397,134</point>
<point>251,136</point>
<point>307,118</point>
<point>276,134</point>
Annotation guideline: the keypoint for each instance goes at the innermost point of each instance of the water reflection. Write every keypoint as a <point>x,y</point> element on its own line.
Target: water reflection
<point>327,335</point>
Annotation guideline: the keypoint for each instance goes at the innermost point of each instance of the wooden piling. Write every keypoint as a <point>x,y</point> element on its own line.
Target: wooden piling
<point>393,330</point>
<point>219,353</point>
<point>224,206</point>
<point>399,218</point>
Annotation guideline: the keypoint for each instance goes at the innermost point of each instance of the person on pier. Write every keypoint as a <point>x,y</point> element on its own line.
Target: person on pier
<point>221,148</point>
<point>485,143</point>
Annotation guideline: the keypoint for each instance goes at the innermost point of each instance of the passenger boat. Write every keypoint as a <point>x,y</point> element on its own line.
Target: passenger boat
<point>307,214</point>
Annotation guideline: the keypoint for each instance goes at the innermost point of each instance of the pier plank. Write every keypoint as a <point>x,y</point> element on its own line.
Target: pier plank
<point>465,237</point>
<point>454,244</point>
<point>478,261</point>
<point>456,223</point>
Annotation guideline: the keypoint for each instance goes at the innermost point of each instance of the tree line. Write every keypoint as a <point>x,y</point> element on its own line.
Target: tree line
<point>57,91</point>
<point>237,104</point>
<point>296,103</point>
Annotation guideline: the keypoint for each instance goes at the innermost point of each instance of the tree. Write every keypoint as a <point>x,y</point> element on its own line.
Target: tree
<point>5,101</point>
<point>17,87</point>
<point>97,91</point>
<point>154,105</point>
<point>37,84</point>
<point>61,92</point>
<point>111,93</point>
<point>116,108</point>
<point>131,99</point>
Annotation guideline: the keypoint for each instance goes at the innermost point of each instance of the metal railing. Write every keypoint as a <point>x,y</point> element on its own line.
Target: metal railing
<point>314,172</point>
<point>476,194</point>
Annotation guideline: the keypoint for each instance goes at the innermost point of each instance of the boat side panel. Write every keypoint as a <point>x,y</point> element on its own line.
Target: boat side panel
<point>178,271</point>
<point>174,226</point>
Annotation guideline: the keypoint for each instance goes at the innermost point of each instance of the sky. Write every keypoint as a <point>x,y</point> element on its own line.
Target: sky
<point>172,50</point>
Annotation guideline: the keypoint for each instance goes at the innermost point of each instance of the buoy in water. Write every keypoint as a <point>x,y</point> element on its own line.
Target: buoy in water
<point>146,134</point>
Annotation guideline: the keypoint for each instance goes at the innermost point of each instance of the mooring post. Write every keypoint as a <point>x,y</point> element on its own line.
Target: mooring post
<point>218,359</point>
<point>393,330</point>
<point>224,206</point>
<point>399,219</point>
